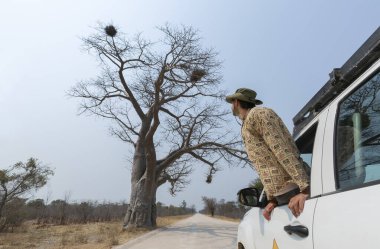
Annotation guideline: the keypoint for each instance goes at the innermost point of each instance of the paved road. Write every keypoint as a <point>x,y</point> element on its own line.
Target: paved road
<point>196,232</point>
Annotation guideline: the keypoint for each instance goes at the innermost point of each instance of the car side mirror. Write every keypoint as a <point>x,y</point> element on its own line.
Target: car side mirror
<point>249,197</point>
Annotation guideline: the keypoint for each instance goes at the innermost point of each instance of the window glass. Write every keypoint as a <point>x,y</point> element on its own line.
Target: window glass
<point>305,145</point>
<point>358,136</point>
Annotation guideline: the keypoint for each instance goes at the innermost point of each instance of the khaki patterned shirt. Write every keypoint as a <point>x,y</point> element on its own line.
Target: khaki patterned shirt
<point>272,151</point>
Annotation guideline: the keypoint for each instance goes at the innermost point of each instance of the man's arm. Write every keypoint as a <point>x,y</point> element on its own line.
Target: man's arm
<point>281,143</point>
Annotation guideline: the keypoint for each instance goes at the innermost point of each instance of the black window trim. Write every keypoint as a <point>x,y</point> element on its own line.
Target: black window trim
<point>364,185</point>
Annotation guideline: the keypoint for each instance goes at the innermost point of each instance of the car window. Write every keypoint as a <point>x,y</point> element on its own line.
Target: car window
<point>305,145</point>
<point>357,136</point>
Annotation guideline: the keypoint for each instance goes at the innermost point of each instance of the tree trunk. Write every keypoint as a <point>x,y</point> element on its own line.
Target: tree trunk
<point>142,210</point>
<point>3,220</point>
<point>3,223</point>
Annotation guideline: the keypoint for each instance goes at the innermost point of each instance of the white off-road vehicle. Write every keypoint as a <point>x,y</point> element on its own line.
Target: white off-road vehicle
<point>338,135</point>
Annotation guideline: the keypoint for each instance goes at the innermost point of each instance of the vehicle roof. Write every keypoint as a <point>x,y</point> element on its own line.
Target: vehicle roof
<point>340,79</point>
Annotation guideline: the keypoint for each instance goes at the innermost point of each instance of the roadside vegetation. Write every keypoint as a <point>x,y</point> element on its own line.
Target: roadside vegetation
<point>226,210</point>
<point>97,235</point>
<point>63,224</point>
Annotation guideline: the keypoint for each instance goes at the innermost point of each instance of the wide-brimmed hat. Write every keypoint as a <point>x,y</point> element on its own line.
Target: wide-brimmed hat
<point>244,94</point>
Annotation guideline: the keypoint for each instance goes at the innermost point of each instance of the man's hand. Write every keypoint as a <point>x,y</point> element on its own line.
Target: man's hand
<point>268,210</point>
<point>297,203</point>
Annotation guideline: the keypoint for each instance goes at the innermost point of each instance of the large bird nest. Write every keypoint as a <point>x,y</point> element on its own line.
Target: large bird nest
<point>110,30</point>
<point>197,75</point>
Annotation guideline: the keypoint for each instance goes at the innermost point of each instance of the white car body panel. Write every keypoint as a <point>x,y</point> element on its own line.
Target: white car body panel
<point>348,220</point>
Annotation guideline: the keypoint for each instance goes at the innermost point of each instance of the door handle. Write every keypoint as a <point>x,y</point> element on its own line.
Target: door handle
<point>301,231</point>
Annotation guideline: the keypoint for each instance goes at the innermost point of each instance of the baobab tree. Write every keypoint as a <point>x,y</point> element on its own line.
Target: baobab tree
<point>164,99</point>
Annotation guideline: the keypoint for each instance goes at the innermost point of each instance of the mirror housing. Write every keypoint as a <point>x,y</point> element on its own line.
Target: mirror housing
<point>249,197</point>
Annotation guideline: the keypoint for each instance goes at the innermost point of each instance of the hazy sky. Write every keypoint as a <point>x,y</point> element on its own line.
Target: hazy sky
<point>282,49</point>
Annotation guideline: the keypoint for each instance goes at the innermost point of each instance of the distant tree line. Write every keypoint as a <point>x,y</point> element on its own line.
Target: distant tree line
<point>171,210</point>
<point>231,209</point>
<point>62,212</point>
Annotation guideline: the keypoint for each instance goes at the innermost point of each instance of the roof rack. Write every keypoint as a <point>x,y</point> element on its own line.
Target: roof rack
<point>340,79</point>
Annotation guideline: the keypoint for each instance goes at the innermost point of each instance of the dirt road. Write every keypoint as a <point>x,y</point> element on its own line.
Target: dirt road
<point>196,232</point>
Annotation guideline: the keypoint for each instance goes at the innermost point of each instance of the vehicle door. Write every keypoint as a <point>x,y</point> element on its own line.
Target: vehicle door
<point>273,234</point>
<point>347,214</point>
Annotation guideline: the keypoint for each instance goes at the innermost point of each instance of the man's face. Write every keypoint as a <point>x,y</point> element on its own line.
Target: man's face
<point>235,107</point>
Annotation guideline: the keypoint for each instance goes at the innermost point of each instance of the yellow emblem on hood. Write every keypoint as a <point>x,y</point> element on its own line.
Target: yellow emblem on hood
<point>275,246</point>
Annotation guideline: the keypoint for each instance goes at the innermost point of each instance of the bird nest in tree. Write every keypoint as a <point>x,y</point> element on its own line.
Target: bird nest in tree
<point>110,30</point>
<point>197,75</point>
<point>209,179</point>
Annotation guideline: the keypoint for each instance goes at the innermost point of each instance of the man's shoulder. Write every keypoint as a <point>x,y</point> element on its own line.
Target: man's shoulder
<point>261,110</point>
<point>262,113</point>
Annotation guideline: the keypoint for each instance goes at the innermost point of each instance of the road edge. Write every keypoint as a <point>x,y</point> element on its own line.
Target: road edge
<point>147,235</point>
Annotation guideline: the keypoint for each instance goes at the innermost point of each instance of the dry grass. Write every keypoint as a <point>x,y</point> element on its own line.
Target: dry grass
<point>166,221</point>
<point>86,236</point>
